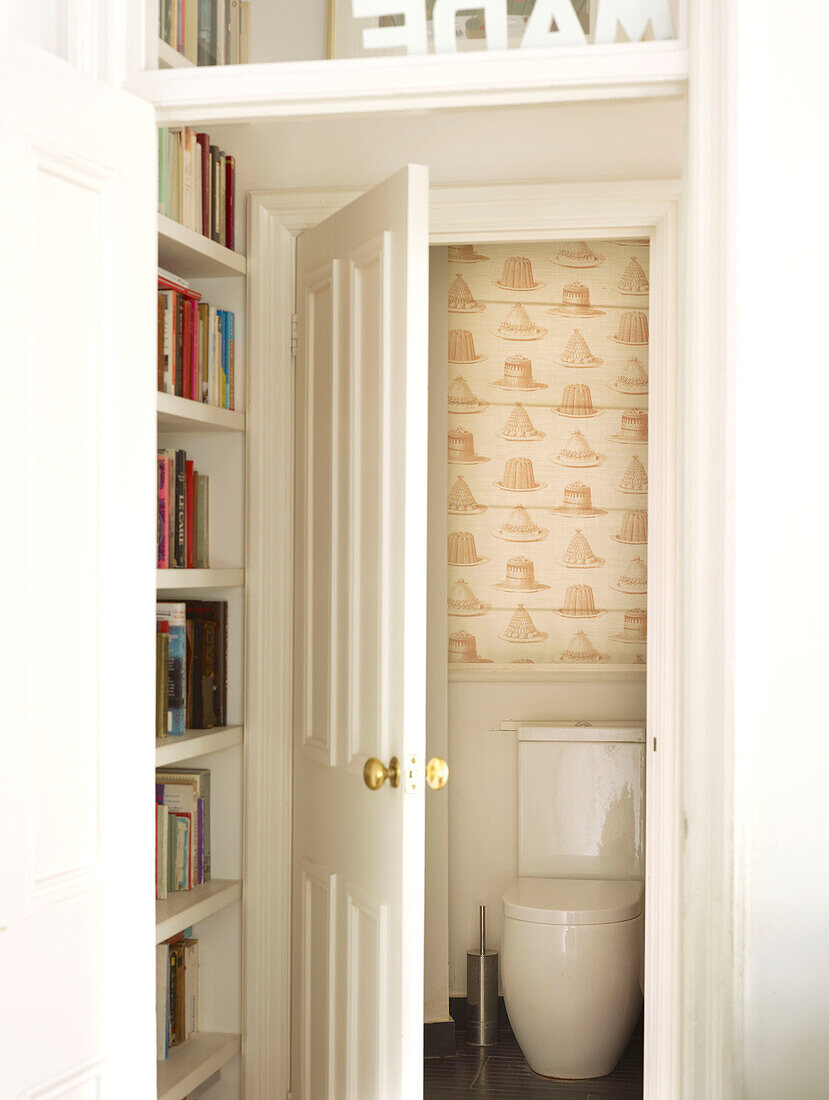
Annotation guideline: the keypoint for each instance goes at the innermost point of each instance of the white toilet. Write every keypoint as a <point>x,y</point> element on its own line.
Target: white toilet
<point>573,943</point>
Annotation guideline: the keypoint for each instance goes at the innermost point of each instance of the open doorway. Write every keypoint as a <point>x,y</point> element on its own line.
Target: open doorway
<point>538,593</point>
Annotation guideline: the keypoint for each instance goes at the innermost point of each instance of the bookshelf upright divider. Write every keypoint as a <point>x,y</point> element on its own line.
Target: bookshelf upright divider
<point>212,912</point>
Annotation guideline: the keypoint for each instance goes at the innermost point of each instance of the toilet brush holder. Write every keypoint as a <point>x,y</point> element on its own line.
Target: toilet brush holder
<point>482,992</point>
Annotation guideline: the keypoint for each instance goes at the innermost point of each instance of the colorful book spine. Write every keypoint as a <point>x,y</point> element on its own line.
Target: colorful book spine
<point>180,491</point>
<point>231,360</point>
<point>230,193</point>
<point>202,523</point>
<point>175,615</point>
<point>162,681</point>
<point>163,555</point>
<point>193,306</point>
<point>189,501</point>
<point>162,842</point>
<point>191,988</point>
<point>215,214</point>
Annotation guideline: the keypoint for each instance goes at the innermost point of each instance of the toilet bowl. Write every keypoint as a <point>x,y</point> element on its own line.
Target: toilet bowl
<point>573,943</point>
<point>571,957</point>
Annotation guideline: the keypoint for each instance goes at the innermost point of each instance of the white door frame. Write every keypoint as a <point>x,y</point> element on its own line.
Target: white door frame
<point>459,213</point>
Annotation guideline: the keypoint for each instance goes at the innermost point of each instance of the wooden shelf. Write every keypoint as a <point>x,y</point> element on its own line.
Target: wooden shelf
<point>178,911</point>
<point>170,58</point>
<point>187,1066</point>
<point>169,750</point>
<point>194,256</point>
<point>179,414</point>
<point>180,580</point>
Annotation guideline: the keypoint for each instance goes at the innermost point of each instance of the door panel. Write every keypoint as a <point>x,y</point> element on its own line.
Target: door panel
<point>362,386</point>
<point>320,302</point>
<point>77,220</point>
<point>369,478</point>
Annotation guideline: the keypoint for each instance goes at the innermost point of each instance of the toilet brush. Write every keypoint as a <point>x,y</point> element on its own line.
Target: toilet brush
<point>482,992</point>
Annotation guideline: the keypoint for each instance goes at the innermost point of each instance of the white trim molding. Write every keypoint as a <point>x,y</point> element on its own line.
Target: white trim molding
<point>242,93</point>
<point>269,619</point>
<point>711,856</point>
<point>459,213</point>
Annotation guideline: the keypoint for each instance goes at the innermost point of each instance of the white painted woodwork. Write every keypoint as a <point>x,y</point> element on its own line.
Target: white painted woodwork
<point>360,654</point>
<point>185,580</point>
<point>77,215</point>
<point>436,931</point>
<point>170,58</point>
<point>179,414</point>
<point>169,750</point>
<point>194,1061</point>
<point>178,911</point>
<point>191,255</point>
<point>239,93</point>
<point>269,651</point>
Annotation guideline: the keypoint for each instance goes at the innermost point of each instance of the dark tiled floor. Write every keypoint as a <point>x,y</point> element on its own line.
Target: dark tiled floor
<point>501,1073</point>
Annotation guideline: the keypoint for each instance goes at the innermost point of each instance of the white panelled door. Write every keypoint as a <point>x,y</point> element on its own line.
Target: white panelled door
<point>358,868</point>
<point>77,222</point>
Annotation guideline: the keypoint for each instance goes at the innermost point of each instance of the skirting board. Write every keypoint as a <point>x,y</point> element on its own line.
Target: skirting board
<point>439,1039</point>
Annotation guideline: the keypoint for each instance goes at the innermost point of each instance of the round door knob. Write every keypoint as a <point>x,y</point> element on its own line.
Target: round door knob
<point>375,773</point>
<point>437,773</point>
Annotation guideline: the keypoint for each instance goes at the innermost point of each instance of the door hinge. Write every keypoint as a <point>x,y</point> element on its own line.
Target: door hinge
<point>414,774</point>
<point>654,744</point>
<point>294,337</point>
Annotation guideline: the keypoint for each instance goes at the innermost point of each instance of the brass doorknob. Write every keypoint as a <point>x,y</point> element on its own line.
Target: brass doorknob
<point>437,773</point>
<point>375,773</point>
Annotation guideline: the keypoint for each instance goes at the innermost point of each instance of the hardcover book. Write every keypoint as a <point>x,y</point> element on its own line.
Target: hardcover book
<point>162,1000</point>
<point>174,614</point>
<point>215,611</point>
<point>162,678</point>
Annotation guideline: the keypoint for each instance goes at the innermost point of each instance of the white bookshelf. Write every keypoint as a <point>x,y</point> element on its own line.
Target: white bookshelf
<point>215,439</point>
<point>186,908</point>
<point>194,256</point>
<point>180,414</point>
<point>193,1062</point>
<point>172,750</point>
<point>184,580</point>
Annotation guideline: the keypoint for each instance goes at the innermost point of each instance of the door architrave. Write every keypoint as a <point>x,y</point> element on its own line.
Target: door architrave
<point>459,213</point>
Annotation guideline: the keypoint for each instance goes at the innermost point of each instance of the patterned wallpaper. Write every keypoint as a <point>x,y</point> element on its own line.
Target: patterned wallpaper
<point>547,452</point>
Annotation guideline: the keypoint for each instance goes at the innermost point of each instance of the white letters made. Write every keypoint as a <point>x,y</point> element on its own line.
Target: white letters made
<point>495,22</point>
<point>538,33</point>
<point>633,17</point>
<point>411,33</point>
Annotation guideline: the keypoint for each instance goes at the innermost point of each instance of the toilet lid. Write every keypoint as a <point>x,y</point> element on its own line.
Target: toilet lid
<point>573,900</point>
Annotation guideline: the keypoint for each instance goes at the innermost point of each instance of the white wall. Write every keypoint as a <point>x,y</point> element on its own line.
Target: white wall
<point>281,31</point>
<point>642,140</point>
<point>782,547</point>
<point>483,841</point>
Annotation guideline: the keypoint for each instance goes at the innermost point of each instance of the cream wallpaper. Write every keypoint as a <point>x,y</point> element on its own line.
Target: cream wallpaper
<point>547,453</point>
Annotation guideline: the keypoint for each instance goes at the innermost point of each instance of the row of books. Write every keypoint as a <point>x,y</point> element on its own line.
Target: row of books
<point>207,32</point>
<point>196,345</point>
<point>191,666</point>
<point>183,513</point>
<point>176,992</point>
<point>197,184</point>
<point>182,832</point>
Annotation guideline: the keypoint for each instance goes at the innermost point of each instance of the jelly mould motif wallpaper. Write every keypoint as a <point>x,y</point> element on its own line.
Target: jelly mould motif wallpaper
<point>548,453</point>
